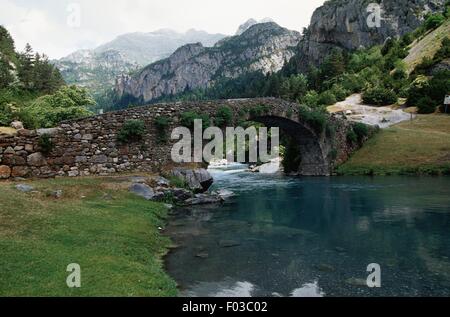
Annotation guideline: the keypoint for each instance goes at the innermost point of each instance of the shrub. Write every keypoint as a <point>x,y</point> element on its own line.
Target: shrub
<point>311,99</point>
<point>379,96</point>
<point>187,119</point>
<point>434,21</point>
<point>45,144</point>
<point>388,46</point>
<point>224,116</point>
<point>7,114</point>
<point>68,103</point>
<point>315,118</point>
<point>132,130</point>
<point>352,82</point>
<point>406,40</point>
<point>424,66</point>
<point>444,51</point>
<point>361,130</point>
<point>161,124</point>
<point>352,137</point>
<point>434,89</point>
<point>259,110</point>
<point>426,105</point>
<point>327,98</point>
<point>399,74</point>
<point>339,92</point>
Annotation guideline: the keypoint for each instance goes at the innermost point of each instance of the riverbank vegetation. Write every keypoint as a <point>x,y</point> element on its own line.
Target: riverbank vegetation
<point>418,147</point>
<point>113,235</point>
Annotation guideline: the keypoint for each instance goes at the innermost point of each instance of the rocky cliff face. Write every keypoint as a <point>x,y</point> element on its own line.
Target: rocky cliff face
<point>263,47</point>
<point>97,69</point>
<point>342,24</point>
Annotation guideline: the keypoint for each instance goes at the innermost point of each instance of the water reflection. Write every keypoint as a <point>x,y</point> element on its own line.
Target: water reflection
<point>286,236</point>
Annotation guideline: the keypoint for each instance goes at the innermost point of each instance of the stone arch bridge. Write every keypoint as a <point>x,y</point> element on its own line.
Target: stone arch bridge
<point>89,146</point>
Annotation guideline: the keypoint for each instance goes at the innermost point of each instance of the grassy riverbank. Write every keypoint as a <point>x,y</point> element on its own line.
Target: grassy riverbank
<point>421,146</point>
<point>110,233</point>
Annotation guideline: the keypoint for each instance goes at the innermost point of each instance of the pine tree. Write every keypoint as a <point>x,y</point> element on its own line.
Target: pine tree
<point>26,68</point>
<point>8,58</point>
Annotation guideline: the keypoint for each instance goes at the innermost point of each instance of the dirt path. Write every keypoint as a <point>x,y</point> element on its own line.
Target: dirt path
<point>356,111</point>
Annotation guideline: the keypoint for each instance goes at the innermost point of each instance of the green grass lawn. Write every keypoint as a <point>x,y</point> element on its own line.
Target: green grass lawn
<point>418,147</point>
<point>116,241</point>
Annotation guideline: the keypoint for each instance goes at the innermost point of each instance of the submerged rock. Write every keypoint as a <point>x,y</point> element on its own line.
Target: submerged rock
<point>229,243</point>
<point>224,194</point>
<point>203,199</point>
<point>325,268</point>
<point>356,282</point>
<point>202,255</point>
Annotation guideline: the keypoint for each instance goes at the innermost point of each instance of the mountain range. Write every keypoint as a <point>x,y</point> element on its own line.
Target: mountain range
<point>263,47</point>
<point>98,68</point>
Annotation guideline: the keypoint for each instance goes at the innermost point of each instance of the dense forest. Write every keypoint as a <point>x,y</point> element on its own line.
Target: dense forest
<point>33,91</point>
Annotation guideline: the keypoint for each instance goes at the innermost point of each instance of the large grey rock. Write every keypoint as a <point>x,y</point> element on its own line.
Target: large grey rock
<point>142,190</point>
<point>180,194</point>
<point>198,180</point>
<point>17,125</point>
<point>50,131</point>
<point>36,159</point>
<point>160,181</point>
<point>24,188</point>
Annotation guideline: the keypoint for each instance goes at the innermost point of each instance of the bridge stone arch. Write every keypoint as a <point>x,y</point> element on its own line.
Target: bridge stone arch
<point>89,146</point>
<point>311,145</point>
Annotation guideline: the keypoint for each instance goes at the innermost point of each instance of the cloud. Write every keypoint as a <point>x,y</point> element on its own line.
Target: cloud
<point>44,23</point>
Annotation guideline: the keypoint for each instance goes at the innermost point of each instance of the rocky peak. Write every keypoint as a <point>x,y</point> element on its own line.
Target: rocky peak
<point>342,24</point>
<point>249,23</point>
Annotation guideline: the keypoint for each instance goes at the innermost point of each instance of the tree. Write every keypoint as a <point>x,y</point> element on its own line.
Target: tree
<point>47,78</point>
<point>333,65</point>
<point>294,87</point>
<point>8,58</point>
<point>26,67</point>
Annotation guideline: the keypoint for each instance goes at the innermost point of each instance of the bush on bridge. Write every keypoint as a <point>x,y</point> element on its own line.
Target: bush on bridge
<point>161,124</point>
<point>260,110</point>
<point>224,116</point>
<point>187,119</point>
<point>132,131</point>
<point>46,144</point>
<point>317,119</point>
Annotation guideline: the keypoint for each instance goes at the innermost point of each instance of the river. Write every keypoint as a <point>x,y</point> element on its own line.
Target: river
<point>313,237</point>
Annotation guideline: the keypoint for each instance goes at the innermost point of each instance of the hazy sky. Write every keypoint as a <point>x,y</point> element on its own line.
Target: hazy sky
<point>54,27</point>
